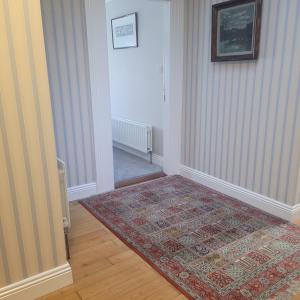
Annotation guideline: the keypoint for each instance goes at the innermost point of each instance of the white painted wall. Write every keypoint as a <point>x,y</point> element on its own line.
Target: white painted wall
<point>136,74</point>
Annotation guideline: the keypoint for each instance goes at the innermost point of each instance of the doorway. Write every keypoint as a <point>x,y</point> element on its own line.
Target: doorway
<point>136,51</point>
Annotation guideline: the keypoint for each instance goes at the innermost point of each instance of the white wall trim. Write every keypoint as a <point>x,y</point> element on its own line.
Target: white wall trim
<point>174,88</point>
<point>156,159</point>
<point>272,206</point>
<point>38,285</point>
<point>100,92</point>
<point>82,191</point>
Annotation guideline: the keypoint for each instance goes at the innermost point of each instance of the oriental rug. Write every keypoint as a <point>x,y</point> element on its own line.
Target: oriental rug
<point>208,245</point>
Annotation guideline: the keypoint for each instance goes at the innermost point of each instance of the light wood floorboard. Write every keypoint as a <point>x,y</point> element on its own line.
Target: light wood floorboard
<point>104,268</point>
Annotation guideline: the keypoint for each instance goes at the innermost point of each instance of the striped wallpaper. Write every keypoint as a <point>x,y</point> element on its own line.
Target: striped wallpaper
<point>31,231</point>
<point>242,119</point>
<point>67,57</point>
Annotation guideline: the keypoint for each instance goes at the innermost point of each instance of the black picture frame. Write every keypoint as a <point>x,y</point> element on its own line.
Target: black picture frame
<point>136,41</point>
<point>235,34</point>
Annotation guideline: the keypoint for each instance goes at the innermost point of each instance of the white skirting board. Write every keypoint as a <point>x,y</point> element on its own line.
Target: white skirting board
<point>156,159</point>
<point>38,285</point>
<point>272,206</point>
<point>82,191</point>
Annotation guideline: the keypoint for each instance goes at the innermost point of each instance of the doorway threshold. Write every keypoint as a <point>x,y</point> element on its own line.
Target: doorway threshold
<point>139,179</point>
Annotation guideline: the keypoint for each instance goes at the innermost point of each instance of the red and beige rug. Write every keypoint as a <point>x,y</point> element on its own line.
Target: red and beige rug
<point>208,245</point>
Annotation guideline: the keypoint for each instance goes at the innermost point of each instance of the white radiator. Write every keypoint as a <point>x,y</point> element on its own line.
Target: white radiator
<point>132,134</point>
<point>63,194</point>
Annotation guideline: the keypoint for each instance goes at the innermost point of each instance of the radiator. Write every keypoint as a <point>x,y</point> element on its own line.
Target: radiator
<point>132,134</point>
<point>63,194</point>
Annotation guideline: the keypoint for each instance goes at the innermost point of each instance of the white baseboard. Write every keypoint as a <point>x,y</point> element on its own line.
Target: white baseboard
<point>272,206</point>
<point>82,191</point>
<point>156,159</point>
<point>38,285</point>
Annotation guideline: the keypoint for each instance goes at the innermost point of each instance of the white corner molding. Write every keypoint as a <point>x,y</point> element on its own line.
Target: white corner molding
<point>158,160</point>
<point>82,191</point>
<point>174,86</point>
<point>38,285</point>
<point>100,92</point>
<point>272,206</point>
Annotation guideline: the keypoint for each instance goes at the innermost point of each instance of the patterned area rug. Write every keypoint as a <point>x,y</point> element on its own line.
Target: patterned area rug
<point>208,245</point>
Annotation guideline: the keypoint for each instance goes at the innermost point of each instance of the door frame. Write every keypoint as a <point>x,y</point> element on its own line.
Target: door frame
<point>174,91</point>
<point>101,102</point>
<point>95,16</point>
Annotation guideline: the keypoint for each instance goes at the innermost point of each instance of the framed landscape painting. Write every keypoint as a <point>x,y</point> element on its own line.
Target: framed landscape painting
<point>125,31</point>
<point>236,30</point>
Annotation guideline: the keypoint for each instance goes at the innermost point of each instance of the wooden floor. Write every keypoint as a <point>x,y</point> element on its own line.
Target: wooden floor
<point>106,269</point>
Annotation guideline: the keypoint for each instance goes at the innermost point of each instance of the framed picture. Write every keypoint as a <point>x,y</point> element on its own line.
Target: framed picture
<point>236,30</point>
<point>125,31</point>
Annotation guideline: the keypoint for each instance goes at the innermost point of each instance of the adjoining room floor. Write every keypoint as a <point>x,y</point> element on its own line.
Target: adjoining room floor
<point>128,166</point>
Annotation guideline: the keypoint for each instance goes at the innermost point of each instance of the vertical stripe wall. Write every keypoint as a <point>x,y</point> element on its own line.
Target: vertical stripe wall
<point>31,231</point>
<point>241,120</point>
<point>67,56</point>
